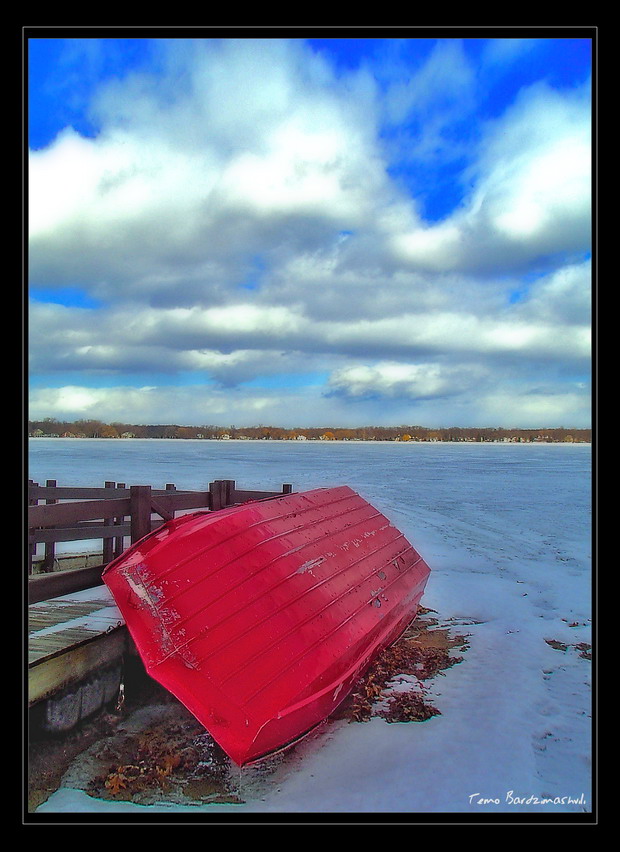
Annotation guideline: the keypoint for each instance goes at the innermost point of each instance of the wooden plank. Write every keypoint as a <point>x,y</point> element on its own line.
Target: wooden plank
<point>184,500</point>
<point>84,510</point>
<point>243,495</point>
<point>63,492</point>
<point>75,617</point>
<point>47,586</point>
<point>70,637</point>
<point>57,672</point>
<point>161,510</point>
<point>104,519</point>
<point>55,612</point>
<point>85,533</point>
<point>46,648</point>
<point>79,533</point>
<point>67,513</point>
<point>37,620</point>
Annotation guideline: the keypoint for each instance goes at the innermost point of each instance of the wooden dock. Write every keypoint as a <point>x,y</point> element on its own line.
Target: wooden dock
<point>70,638</point>
<point>77,638</point>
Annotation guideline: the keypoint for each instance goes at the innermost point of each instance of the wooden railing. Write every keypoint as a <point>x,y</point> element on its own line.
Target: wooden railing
<point>113,514</point>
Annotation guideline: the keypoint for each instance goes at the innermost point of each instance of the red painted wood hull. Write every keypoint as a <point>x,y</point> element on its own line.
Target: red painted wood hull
<point>260,617</point>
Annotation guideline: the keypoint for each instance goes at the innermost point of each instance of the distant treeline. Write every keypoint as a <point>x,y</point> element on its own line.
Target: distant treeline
<point>96,429</point>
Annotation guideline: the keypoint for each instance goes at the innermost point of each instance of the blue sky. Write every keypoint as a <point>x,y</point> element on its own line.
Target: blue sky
<point>310,232</point>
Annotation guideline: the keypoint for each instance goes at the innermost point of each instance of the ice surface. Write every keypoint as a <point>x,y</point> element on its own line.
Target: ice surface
<point>507,532</point>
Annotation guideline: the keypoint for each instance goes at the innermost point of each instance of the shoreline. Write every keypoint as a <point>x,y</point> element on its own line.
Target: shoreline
<point>316,441</point>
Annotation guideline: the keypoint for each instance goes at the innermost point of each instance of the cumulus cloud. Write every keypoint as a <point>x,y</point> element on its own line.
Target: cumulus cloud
<point>531,191</point>
<point>260,148</point>
<point>446,77</point>
<point>236,216</point>
<point>408,381</point>
<point>178,337</point>
<point>523,405</point>
<point>563,408</point>
<point>504,51</point>
<point>146,404</point>
<point>563,297</point>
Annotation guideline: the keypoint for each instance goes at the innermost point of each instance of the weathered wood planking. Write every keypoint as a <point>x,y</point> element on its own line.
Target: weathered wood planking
<point>114,512</point>
<point>71,636</point>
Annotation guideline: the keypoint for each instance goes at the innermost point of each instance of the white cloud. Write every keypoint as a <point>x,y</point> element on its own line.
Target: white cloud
<point>562,298</point>
<point>504,51</point>
<point>262,147</point>
<point>537,165</point>
<point>137,335</point>
<point>531,191</point>
<point>197,405</point>
<point>429,102</point>
<point>446,79</point>
<point>237,218</point>
<point>204,179</point>
<point>182,405</point>
<point>411,381</point>
<point>553,408</point>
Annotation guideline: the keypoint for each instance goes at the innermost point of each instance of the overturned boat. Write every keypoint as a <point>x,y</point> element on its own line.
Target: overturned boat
<point>260,617</point>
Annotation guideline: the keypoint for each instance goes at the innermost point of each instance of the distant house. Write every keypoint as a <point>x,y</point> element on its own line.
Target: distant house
<point>38,433</point>
<point>301,438</point>
<point>225,437</point>
<point>67,435</point>
<point>127,435</point>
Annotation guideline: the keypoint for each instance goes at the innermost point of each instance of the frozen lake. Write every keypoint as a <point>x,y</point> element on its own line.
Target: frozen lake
<point>507,490</point>
<point>507,531</point>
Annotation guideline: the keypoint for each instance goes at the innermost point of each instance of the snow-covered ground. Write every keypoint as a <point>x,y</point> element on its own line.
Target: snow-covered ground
<point>506,530</point>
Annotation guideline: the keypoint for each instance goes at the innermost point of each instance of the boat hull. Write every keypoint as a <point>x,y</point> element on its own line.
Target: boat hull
<point>259,618</point>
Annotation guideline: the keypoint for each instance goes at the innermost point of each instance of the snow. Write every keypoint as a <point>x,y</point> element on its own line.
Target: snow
<point>105,616</point>
<point>506,530</point>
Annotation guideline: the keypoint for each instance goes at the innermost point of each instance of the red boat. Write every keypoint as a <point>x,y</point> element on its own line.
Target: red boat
<point>260,617</point>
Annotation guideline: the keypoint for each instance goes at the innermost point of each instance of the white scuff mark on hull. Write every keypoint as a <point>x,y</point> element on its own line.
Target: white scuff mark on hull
<point>161,622</point>
<point>312,563</point>
<point>140,590</point>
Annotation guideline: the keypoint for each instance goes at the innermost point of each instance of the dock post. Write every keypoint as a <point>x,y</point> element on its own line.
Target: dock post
<point>108,543</point>
<point>217,491</point>
<point>118,541</point>
<point>32,548</point>
<point>140,504</point>
<point>50,547</point>
<point>229,492</point>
